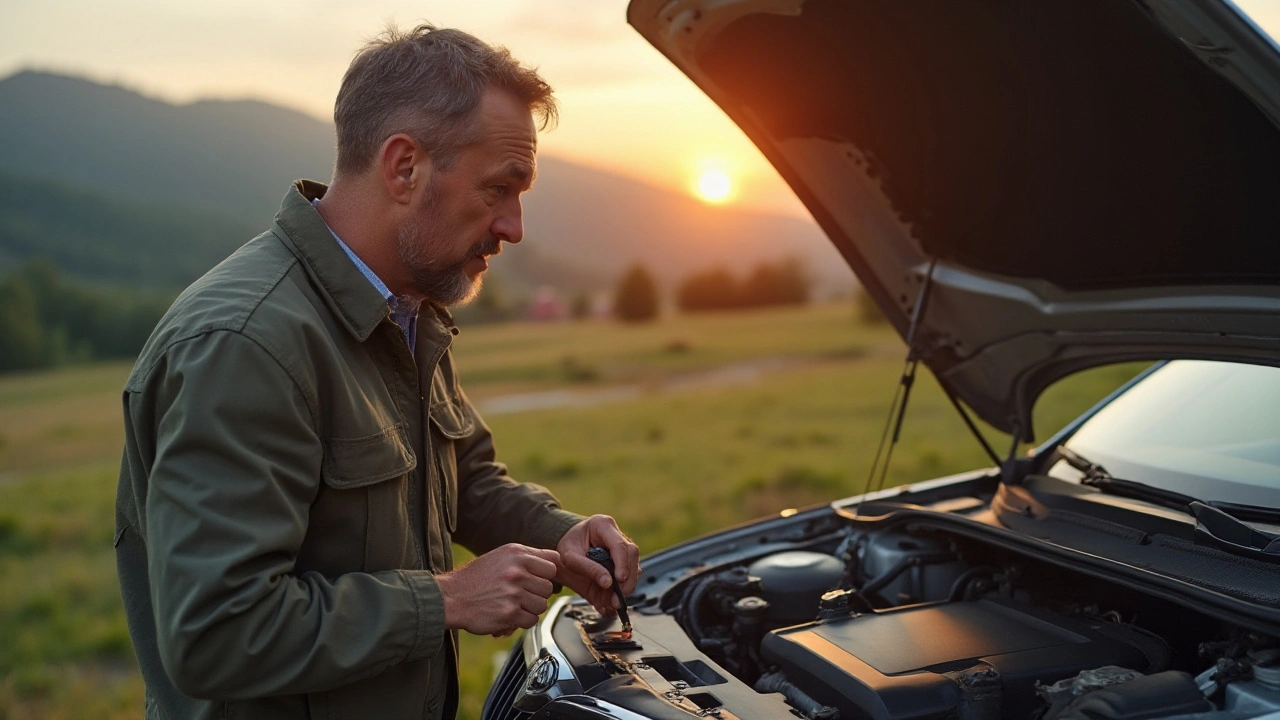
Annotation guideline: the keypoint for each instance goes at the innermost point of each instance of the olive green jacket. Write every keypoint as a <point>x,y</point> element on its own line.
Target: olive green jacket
<point>292,478</point>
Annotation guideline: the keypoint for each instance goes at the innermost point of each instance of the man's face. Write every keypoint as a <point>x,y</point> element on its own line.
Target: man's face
<point>465,212</point>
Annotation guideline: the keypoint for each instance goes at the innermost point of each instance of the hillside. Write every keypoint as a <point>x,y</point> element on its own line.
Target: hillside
<point>234,159</point>
<point>111,241</point>
<point>582,215</point>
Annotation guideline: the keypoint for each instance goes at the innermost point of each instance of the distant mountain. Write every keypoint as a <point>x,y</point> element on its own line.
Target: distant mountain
<point>234,159</point>
<point>604,221</point>
<point>112,241</point>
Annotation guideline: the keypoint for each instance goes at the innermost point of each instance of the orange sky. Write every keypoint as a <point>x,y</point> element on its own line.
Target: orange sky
<point>624,107</point>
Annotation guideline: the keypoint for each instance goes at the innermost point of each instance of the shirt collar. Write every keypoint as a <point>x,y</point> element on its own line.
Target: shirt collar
<point>364,269</point>
<point>404,309</point>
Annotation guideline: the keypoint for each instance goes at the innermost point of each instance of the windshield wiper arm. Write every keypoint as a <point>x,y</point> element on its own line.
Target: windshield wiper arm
<point>1248,513</point>
<point>1096,476</point>
<point>1139,491</point>
<point>1219,524</point>
<point>1217,528</point>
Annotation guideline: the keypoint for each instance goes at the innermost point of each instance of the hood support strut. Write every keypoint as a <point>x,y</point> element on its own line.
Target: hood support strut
<point>902,395</point>
<point>898,406</point>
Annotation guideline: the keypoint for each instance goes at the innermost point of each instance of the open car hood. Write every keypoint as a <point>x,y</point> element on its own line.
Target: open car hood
<point>1067,183</point>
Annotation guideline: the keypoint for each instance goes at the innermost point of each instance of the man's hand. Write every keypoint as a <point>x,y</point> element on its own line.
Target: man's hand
<point>588,578</point>
<point>500,591</point>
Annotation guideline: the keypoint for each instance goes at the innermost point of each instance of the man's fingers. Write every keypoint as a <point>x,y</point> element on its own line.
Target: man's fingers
<point>603,530</point>
<point>624,552</point>
<point>601,599</point>
<point>499,591</point>
<point>532,604</point>
<point>586,567</point>
<point>626,556</point>
<point>604,601</point>
<point>541,587</point>
<point>541,562</point>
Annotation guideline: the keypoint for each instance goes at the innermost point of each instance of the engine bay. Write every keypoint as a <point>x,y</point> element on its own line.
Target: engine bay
<point>911,621</point>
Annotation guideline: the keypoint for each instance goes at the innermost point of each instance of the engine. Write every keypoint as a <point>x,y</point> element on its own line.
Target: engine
<point>983,657</point>
<point>896,625</point>
<point>889,619</point>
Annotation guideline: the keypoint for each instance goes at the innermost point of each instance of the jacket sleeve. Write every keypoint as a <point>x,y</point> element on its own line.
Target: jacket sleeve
<point>494,509</point>
<point>236,466</point>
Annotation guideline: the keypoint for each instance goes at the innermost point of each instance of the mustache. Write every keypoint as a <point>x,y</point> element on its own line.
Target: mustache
<point>489,246</point>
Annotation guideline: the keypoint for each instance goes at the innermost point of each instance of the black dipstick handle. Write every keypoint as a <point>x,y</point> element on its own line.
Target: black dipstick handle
<point>601,556</point>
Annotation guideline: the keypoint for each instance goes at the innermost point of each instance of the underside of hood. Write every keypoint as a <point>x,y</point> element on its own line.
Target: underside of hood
<point>1074,182</point>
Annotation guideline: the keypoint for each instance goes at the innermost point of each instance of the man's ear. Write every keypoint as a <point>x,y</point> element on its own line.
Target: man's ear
<point>403,166</point>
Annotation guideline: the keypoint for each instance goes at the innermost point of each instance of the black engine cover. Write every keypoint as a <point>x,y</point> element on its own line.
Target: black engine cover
<point>912,662</point>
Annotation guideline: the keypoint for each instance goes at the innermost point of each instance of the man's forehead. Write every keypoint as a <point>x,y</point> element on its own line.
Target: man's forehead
<point>502,111</point>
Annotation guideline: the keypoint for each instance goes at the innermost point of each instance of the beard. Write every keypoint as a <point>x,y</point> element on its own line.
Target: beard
<point>421,246</point>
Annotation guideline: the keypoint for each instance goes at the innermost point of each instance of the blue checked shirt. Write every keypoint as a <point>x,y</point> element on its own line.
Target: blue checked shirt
<point>404,309</point>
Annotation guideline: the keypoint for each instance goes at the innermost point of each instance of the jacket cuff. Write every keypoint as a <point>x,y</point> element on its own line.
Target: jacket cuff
<point>430,606</point>
<point>552,526</point>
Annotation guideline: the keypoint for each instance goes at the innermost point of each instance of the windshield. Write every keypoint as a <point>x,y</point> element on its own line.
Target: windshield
<point>1207,429</point>
<point>1265,14</point>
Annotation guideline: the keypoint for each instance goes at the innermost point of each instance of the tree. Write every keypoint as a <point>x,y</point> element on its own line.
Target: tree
<point>47,321</point>
<point>21,338</point>
<point>714,289</point>
<point>636,299</point>
<point>580,306</point>
<point>783,283</point>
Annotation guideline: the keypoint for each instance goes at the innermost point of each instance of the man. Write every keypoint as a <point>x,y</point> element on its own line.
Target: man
<point>299,455</point>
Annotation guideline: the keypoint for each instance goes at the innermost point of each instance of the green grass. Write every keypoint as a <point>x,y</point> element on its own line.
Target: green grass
<point>63,640</point>
<point>669,465</point>
<point>498,359</point>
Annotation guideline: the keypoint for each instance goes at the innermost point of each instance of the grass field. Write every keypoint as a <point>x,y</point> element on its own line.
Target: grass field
<point>673,461</point>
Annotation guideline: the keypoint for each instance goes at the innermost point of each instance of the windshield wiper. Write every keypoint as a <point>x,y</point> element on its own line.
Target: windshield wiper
<point>1216,528</point>
<point>1096,476</point>
<point>1222,525</point>
<point>1248,513</point>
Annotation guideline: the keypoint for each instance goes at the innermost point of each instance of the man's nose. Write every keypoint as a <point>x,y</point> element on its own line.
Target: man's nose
<point>509,225</point>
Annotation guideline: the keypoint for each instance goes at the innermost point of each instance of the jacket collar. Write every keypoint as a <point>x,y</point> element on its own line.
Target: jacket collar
<point>347,292</point>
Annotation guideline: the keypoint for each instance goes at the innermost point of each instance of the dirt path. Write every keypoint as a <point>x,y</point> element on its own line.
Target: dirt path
<point>734,374</point>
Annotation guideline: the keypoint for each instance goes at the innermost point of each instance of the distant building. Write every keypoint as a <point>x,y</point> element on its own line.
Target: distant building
<point>547,306</point>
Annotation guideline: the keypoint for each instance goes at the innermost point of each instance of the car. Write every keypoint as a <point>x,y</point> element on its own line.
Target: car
<point>1027,189</point>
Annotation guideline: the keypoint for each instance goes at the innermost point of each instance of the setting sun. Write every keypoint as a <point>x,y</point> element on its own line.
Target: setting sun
<point>714,186</point>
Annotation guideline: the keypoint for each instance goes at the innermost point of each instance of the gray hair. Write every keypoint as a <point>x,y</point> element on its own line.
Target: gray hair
<point>426,83</point>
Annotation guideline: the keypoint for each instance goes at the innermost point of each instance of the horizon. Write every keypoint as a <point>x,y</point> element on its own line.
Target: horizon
<point>625,109</point>
<point>556,157</point>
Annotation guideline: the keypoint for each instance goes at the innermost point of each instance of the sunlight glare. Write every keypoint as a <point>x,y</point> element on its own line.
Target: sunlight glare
<point>714,186</point>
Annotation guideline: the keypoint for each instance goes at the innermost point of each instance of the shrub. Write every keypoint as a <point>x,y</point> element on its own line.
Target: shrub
<point>46,320</point>
<point>637,296</point>
<point>781,283</point>
<point>580,306</point>
<point>711,290</point>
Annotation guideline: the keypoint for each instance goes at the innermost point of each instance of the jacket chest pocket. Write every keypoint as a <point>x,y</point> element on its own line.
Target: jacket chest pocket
<point>451,425</point>
<point>363,511</point>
